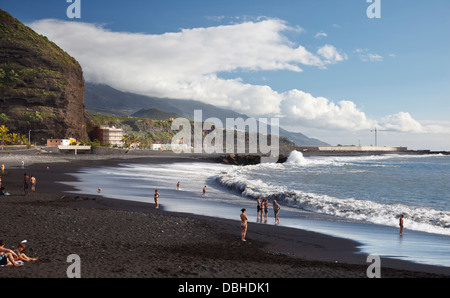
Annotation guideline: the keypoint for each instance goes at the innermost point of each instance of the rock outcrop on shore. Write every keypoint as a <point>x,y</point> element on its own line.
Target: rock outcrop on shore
<point>41,86</point>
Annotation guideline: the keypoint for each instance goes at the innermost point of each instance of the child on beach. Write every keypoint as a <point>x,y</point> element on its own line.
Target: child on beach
<point>156,197</point>
<point>21,256</point>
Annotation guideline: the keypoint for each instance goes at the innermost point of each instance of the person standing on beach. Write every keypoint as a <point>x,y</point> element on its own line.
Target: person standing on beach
<point>156,197</point>
<point>266,209</point>
<point>26,179</point>
<point>33,183</point>
<point>244,220</point>
<point>276,210</point>
<point>178,185</point>
<point>258,209</point>
<point>204,190</point>
<point>401,221</point>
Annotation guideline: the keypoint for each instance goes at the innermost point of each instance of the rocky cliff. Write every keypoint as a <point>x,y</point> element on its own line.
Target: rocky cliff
<point>41,86</point>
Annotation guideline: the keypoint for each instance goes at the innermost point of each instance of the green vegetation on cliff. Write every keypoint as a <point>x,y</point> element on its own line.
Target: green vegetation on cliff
<point>41,86</point>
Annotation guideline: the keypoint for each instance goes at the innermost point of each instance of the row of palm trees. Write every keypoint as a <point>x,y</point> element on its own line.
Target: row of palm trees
<point>11,138</point>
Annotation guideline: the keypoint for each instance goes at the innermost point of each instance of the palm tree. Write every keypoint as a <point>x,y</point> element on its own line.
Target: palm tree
<point>3,134</point>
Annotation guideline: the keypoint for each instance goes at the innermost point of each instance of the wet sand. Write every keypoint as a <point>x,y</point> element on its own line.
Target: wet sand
<point>126,239</point>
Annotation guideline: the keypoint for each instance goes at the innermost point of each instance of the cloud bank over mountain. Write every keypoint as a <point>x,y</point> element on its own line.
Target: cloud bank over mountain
<point>187,65</point>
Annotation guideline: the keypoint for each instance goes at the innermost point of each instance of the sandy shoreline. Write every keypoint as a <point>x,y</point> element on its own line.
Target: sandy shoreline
<point>117,238</point>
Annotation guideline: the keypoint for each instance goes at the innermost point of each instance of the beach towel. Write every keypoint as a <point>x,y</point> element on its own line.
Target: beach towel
<point>17,262</point>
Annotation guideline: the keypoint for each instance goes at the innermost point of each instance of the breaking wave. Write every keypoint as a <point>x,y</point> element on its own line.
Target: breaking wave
<point>418,218</point>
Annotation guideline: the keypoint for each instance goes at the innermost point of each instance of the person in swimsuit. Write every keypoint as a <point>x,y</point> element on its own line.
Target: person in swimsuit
<point>244,220</point>
<point>26,178</point>
<point>276,210</point>
<point>156,197</point>
<point>401,221</point>
<point>33,183</point>
<point>21,256</point>
<point>258,209</point>
<point>7,256</point>
<point>178,185</point>
<point>266,209</point>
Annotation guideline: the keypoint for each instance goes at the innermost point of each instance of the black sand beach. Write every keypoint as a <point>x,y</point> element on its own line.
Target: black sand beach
<point>122,239</point>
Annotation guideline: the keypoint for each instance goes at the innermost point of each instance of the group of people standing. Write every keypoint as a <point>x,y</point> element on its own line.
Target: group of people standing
<point>29,183</point>
<point>261,206</point>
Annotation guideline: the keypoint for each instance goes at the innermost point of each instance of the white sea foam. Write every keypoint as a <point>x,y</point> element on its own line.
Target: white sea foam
<point>417,218</point>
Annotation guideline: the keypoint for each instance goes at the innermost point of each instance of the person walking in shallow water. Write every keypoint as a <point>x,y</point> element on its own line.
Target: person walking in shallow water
<point>401,222</point>
<point>244,220</point>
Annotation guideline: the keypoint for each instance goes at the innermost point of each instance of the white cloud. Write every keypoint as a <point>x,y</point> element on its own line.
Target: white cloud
<point>186,64</point>
<point>320,35</point>
<point>331,54</point>
<point>304,109</point>
<point>401,121</point>
<point>365,56</point>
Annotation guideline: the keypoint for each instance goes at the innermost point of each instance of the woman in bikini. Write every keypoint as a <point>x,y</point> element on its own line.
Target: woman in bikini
<point>156,197</point>
<point>244,220</point>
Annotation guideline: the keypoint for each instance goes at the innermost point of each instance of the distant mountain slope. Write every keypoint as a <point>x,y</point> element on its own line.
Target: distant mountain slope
<point>154,113</point>
<point>105,99</point>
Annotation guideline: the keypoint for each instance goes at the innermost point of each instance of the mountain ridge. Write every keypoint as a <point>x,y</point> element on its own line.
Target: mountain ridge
<point>102,98</point>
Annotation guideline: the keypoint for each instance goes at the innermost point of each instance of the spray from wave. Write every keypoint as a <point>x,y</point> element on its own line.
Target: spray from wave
<point>419,218</point>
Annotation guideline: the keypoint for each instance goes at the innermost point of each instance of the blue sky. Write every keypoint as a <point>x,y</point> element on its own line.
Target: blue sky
<point>395,69</point>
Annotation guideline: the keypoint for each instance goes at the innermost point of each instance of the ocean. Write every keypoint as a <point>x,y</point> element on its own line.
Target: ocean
<point>358,197</point>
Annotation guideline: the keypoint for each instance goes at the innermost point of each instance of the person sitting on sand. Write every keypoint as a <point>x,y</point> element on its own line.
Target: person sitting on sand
<point>21,256</point>
<point>7,257</point>
<point>156,197</point>
<point>244,220</point>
